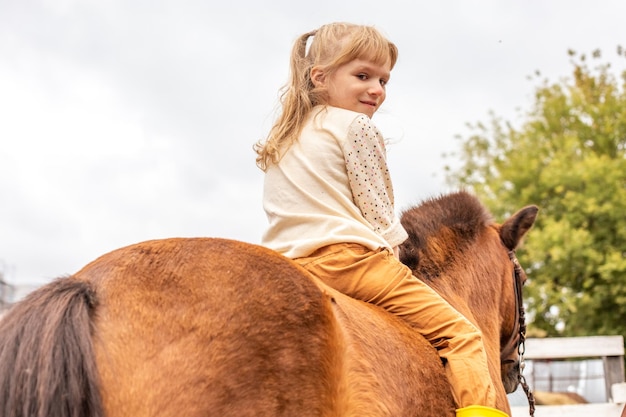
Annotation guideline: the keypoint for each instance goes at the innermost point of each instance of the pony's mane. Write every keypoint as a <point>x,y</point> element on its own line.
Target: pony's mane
<point>440,229</point>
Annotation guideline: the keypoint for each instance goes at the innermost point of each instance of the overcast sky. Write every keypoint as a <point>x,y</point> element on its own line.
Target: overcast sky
<point>128,120</point>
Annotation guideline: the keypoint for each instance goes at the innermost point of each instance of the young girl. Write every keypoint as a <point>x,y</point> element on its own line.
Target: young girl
<point>329,198</point>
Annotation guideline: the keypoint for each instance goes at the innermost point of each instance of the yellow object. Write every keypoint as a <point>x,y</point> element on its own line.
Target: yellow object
<point>479,411</point>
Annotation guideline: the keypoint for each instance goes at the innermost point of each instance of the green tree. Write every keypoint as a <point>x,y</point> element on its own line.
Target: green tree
<point>568,156</point>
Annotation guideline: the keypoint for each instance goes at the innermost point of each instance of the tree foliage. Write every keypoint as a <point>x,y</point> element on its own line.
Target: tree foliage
<point>568,156</point>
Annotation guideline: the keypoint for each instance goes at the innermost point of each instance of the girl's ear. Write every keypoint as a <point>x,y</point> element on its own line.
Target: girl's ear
<point>318,77</point>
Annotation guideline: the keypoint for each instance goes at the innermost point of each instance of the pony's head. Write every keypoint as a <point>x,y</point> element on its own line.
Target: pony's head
<point>455,246</point>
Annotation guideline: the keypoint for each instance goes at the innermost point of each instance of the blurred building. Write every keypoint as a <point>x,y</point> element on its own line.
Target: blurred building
<point>6,294</point>
<point>12,293</point>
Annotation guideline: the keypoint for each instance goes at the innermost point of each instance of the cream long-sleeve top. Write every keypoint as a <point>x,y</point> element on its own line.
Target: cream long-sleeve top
<point>331,186</point>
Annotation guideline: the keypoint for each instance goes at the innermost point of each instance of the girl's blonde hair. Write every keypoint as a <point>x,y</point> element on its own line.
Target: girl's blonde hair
<point>333,45</point>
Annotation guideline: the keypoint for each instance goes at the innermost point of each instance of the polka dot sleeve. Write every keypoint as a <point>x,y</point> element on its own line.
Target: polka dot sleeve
<point>370,182</point>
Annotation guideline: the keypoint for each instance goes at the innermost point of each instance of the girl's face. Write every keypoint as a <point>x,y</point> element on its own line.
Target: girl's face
<point>358,85</point>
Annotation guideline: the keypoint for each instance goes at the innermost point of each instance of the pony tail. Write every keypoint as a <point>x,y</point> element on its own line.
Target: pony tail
<point>296,102</point>
<point>47,360</point>
<point>300,82</point>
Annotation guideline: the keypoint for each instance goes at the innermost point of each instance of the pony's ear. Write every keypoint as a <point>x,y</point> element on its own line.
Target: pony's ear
<point>516,227</point>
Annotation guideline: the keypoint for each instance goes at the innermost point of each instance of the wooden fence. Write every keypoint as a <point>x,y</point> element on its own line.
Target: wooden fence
<point>609,348</point>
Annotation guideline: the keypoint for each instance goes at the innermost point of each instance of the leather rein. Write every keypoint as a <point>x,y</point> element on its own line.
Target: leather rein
<point>518,336</point>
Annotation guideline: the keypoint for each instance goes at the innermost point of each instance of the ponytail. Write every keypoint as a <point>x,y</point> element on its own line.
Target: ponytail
<point>296,105</point>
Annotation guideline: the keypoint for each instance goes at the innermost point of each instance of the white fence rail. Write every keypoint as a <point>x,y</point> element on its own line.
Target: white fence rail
<point>579,410</point>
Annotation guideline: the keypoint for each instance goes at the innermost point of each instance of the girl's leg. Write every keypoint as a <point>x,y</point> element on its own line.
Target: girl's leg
<point>379,278</point>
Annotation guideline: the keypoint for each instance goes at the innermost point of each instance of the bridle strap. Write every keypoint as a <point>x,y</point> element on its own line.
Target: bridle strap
<point>518,336</point>
<point>519,331</point>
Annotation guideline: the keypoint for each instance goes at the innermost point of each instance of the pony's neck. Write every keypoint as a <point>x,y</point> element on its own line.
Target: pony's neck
<point>476,296</point>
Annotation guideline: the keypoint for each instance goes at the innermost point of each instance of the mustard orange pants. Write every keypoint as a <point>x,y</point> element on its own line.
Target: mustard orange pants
<point>378,277</point>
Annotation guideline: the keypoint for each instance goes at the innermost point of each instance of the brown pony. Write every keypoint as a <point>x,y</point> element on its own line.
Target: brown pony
<point>214,327</point>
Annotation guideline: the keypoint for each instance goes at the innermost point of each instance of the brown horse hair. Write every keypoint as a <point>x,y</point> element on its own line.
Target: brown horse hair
<point>47,363</point>
<point>433,227</point>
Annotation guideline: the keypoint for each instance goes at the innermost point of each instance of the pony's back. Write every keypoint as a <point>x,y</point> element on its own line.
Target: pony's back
<point>200,327</point>
<point>224,328</point>
<point>391,370</point>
